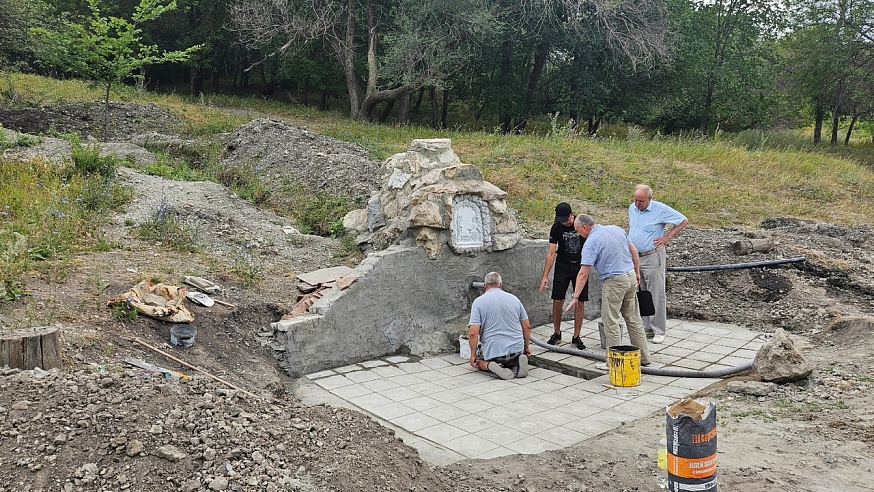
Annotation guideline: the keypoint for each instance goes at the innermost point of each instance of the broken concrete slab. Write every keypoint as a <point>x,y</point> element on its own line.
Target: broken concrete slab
<point>324,275</point>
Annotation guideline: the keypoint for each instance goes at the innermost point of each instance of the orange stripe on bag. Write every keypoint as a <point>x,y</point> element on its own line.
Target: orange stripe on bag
<point>692,467</point>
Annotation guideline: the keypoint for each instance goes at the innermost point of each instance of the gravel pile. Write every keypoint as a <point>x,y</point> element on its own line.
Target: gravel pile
<point>119,429</point>
<point>281,151</point>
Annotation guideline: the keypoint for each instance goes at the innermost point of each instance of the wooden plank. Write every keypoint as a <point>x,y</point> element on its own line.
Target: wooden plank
<point>4,352</point>
<point>51,349</point>
<point>32,351</point>
<point>16,353</point>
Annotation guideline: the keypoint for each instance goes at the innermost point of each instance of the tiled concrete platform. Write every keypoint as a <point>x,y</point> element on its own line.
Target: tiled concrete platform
<point>449,411</point>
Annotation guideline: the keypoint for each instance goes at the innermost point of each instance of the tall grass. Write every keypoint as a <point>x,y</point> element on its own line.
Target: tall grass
<point>723,180</point>
<point>48,212</point>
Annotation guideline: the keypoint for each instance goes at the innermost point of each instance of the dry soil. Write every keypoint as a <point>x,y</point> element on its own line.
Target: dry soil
<point>101,424</point>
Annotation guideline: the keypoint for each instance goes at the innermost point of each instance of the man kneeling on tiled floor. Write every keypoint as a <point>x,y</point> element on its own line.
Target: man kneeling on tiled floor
<point>499,331</point>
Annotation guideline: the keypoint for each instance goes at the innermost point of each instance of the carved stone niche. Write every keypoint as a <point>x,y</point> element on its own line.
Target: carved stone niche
<point>471,225</point>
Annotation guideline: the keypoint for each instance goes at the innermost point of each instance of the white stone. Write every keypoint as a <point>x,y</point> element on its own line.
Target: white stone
<point>398,179</point>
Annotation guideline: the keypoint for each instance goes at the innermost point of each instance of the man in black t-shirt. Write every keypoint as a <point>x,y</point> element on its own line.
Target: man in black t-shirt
<point>565,246</point>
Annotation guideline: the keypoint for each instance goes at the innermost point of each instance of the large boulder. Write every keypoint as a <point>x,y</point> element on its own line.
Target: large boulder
<point>779,361</point>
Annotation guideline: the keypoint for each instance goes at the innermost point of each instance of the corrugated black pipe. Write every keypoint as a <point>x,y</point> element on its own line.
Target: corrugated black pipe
<point>653,371</point>
<point>736,266</point>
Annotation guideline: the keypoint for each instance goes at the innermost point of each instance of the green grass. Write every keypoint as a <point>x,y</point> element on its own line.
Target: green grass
<point>48,213</point>
<point>726,180</point>
<point>169,228</point>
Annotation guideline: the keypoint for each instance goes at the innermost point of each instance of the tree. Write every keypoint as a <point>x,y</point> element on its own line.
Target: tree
<point>831,59</point>
<point>109,49</point>
<point>573,48</point>
<point>17,44</point>
<point>404,45</point>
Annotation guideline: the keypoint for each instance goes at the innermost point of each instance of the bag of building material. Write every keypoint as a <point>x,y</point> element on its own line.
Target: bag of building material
<point>690,428</point>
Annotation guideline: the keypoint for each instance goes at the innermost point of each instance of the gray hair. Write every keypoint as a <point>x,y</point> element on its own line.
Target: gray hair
<point>644,188</point>
<point>585,220</point>
<point>493,279</point>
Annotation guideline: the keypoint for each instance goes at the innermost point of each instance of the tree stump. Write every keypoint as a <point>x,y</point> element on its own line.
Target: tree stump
<point>26,349</point>
<point>747,246</point>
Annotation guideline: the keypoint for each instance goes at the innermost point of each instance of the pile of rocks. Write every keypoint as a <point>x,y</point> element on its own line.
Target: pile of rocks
<point>432,199</point>
<point>112,428</point>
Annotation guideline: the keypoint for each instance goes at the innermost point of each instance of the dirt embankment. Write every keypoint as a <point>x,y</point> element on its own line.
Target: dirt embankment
<point>104,425</point>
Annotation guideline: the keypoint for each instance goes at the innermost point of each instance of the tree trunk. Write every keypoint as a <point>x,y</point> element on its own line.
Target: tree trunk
<point>747,246</point>
<point>372,34</point>
<point>594,123</point>
<point>576,89</point>
<point>444,109</point>
<point>817,126</point>
<point>504,116</point>
<point>540,56</point>
<point>704,125</point>
<point>417,107</point>
<point>106,110</point>
<point>383,96</point>
<point>404,110</point>
<point>386,111</point>
<point>838,107</point>
<point>432,93</point>
<point>26,349</point>
<point>343,50</point>
<point>850,129</point>
<point>197,79</point>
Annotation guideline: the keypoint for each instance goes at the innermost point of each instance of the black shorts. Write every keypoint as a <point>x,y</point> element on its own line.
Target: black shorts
<point>509,360</point>
<point>563,277</point>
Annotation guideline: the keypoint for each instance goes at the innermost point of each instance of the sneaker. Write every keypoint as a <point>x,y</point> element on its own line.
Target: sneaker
<point>578,343</point>
<point>649,334</point>
<point>522,366</point>
<point>601,366</point>
<point>501,371</point>
<point>554,338</point>
<point>658,339</point>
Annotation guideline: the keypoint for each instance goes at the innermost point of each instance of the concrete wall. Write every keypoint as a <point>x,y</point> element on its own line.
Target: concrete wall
<point>404,302</point>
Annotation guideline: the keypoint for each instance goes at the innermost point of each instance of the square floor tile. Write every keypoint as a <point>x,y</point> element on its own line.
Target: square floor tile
<point>442,433</point>
<point>471,445</point>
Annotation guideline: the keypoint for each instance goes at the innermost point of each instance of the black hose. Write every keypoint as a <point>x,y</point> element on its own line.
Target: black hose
<point>735,266</point>
<point>653,371</point>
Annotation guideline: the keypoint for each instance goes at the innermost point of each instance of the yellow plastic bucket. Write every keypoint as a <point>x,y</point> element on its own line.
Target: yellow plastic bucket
<point>623,364</point>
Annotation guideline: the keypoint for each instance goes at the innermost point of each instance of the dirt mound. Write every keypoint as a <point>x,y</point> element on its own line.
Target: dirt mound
<point>105,425</point>
<point>87,119</point>
<point>835,278</point>
<point>112,429</point>
<point>281,151</point>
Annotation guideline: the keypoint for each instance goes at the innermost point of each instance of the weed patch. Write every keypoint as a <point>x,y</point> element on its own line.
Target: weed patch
<point>49,212</point>
<point>168,228</point>
<point>248,268</point>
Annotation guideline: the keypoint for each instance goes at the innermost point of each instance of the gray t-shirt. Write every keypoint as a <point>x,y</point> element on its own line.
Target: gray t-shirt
<point>499,315</point>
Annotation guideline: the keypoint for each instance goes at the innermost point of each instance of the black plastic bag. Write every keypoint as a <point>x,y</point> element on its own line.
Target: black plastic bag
<point>644,299</point>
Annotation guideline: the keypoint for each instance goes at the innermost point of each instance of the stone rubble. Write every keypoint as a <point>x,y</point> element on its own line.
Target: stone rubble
<point>146,433</point>
<point>430,198</point>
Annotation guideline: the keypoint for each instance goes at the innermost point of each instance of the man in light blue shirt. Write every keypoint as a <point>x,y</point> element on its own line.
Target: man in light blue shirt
<point>647,219</point>
<point>499,321</point>
<point>609,250</point>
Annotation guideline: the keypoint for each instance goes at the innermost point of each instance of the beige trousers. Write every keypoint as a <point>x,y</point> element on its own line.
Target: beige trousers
<point>619,298</point>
